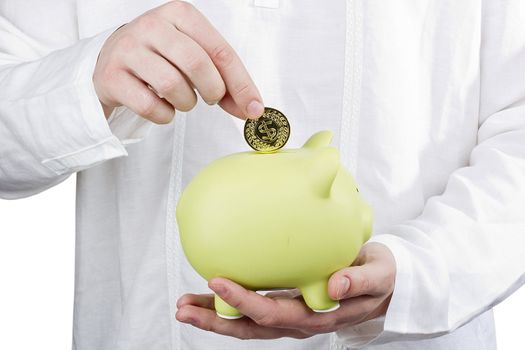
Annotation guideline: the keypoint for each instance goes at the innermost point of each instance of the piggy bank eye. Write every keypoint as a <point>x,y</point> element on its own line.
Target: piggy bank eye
<point>357,189</point>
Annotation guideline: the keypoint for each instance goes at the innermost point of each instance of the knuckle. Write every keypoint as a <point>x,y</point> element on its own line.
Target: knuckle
<point>168,83</point>
<point>182,8</point>
<point>108,76</point>
<point>147,106</point>
<point>240,89</point>
<point>126,42</point>
<point>236,303</point>
<point>217,92</point>
<point>194,64</point>
<point>147,22</point>
<point>222,55</point>
<point>388,278</point>
<point>365,285</point>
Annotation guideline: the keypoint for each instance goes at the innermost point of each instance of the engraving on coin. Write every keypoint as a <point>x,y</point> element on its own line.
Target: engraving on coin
<point>269,132</point>
<point>264,132</point>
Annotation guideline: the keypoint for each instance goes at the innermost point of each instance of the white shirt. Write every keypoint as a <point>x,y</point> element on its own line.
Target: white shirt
<point>427,102</point>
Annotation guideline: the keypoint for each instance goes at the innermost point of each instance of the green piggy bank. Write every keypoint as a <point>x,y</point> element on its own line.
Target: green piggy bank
<point>282,220</point>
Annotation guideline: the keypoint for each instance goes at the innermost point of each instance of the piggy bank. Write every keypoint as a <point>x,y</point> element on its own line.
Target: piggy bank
<point>287,219</point>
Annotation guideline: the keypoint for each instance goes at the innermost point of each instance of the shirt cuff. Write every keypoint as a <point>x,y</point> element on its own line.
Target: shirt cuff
<point>105,138</point>
<point>127,126</point>
<point>392,326</point>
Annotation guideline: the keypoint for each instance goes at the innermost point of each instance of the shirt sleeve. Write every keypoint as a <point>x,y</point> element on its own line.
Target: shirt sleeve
<point>466,252</point>
<point>51,121</point>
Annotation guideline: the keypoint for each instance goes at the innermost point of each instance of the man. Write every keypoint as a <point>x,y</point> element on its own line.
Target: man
<point>426,98</point>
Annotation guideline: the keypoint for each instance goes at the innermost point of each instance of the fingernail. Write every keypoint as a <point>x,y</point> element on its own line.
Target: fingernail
<point>343,287</point>
<point>212,103</point>
<point>255,109</point>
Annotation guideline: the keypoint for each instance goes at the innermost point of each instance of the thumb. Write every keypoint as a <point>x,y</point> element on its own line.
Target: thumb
<point>353,281</point>
<point>230,105</point>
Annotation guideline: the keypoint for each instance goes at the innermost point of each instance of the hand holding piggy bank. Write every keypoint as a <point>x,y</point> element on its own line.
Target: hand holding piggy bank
<point>282,220</point>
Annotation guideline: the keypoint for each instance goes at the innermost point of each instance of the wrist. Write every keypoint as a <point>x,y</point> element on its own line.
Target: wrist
<point>107,109</point>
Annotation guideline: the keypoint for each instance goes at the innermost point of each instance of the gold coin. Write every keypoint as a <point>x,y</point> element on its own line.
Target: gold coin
<point>269,132</point>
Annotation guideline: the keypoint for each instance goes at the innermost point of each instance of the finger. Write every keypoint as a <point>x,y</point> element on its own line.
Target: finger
<point>284,294</point>
<point>201,300</point>
<point>291,313</point>
<point>133,93</point>
<point>193,61</point>
<point>228,104</point>
<point>238,82</point>
<point>355,281</point>
<point>243,328</point>
<point>359,309</point>
<point>167,81</point>
<point>264,311</point>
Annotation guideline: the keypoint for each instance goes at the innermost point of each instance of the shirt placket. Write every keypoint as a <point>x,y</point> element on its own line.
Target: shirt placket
<point>351,106</point>
<point>349,137</point>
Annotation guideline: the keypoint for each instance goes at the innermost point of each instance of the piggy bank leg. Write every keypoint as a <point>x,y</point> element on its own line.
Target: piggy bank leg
<point>316,297</point>
<point>224,310</point>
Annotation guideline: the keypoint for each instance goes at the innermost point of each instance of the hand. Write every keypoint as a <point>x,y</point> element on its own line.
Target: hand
<point>364,291</point>
<point>153,64</point>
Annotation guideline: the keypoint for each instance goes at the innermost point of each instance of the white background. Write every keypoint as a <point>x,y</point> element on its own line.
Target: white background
<point>37,275</point>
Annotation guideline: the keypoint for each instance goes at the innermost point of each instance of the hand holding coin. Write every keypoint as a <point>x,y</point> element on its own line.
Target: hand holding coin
<point>269,132</point>
<point>154,64</point>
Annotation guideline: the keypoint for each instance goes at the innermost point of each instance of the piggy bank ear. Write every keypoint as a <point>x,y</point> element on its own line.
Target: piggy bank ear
<point>323,167</point>
<point>324,163</point>
<point>319,140</point>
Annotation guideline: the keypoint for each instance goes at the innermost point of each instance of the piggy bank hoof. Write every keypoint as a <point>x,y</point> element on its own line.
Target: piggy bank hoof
<point>328,310</point>
<point>224,310</point>
<point>316,297</point>
<point>226,317</point>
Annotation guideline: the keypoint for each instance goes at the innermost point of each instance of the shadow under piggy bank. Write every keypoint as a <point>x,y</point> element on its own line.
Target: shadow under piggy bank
<point>282,220</point>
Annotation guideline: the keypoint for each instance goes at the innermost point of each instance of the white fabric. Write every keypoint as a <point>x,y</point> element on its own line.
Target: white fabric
<point>426,99</point>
